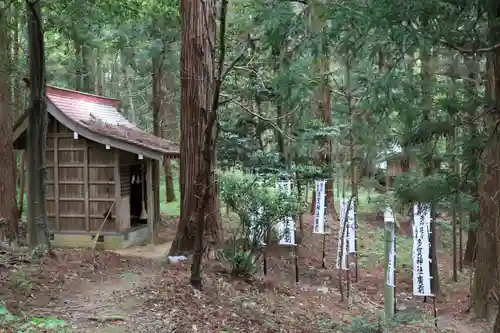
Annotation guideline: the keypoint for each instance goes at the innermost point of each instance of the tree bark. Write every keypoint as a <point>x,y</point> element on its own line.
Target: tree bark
<point>470,248</point>
<point>486,272</point>
<point>169,180</point>
<point>8,207</point>
<point>197,98</point>
<point>37,131</point>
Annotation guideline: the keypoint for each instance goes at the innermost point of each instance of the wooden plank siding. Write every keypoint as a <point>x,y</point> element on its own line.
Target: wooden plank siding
<point>81,182</point>
<point>84,179</point>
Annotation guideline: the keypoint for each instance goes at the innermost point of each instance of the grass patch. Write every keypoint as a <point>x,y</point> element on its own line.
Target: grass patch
<point>375,246</point>
<point>26,325</point>
<point>170,208</point>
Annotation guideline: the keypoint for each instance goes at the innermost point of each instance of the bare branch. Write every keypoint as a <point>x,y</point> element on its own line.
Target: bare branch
<point>268,120</point>
<point>470,51</point>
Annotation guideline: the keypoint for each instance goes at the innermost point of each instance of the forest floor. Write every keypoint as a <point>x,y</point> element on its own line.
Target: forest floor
<point>113,293</point>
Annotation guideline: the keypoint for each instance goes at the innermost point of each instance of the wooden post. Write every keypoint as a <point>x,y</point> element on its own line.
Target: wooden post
<point>118,189</point>
<point>86,183</point>
<point>389,291</point>
<point>56,175</point>
<point>151,200</point>
<point>29,205</point>
<point>156,186</point>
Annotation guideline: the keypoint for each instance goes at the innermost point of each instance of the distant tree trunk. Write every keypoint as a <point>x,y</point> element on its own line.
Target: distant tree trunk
<point>99,73</point>
<point>8,207</point>
<point>471,153</point>
<point>322,99</point>
<point>126,89</point>
<point>88,64</point>
<point>200,211</point>
<point>79,65</point>
<point>162,113</point>
<point>169,180</point>
<point>170,130</point>
<point>427,88</point>
<point>37,131</point>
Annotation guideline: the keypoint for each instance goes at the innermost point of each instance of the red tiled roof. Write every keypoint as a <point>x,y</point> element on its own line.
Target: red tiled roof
<point>100,115</point>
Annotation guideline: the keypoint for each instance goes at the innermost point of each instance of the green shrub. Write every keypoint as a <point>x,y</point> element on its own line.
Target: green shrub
<point>258,205</point>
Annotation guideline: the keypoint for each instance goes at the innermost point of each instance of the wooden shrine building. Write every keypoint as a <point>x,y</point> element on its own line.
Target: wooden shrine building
<point>97,162</point>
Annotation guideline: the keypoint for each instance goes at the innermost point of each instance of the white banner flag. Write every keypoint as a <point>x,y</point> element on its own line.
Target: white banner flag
<point>342,262</point>
<point>421,261</point>
<point>391,265</point>
<point>285,186</point>
<point>287,231</point>
<point>286,227</point>
<point>319,218</point>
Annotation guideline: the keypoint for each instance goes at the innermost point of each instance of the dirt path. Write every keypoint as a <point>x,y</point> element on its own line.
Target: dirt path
<point>120,304</point>
<point>114,305</point>
<point>154,252</point>
<point>458,325</point>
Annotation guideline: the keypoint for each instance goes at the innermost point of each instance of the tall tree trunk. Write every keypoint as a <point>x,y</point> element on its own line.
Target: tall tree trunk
<point>427,87</point>
<point>169,180</point>
<point>323,105</point>
<point>8,207</point>
<point>162,116</point>
<point>16,47</point>
<point>99,75</point>
<point>486,239</point>
<point>486,272</point>
<point>18,103</point>
<point>451,148</point>
<point>471,152</point>
<point>79,64</point>
<point>199,197</point>
<point>279,97</point>
<point>126,89</point>
<point>88,64</point>
<point>156,102</point>
<point>170,129</point>
<point>37,131</point>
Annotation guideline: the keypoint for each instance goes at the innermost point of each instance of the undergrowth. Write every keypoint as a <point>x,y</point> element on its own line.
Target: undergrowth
<point>12,323</point>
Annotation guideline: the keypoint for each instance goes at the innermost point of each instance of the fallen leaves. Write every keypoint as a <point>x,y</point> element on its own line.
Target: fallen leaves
<point>123,294</point>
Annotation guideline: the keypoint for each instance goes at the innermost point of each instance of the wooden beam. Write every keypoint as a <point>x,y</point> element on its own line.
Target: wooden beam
<point>86,184</point>
<point>56,177</point>
<point>150,198</point>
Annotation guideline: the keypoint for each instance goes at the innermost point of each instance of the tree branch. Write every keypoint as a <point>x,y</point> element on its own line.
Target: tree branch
<point>470,51</point>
